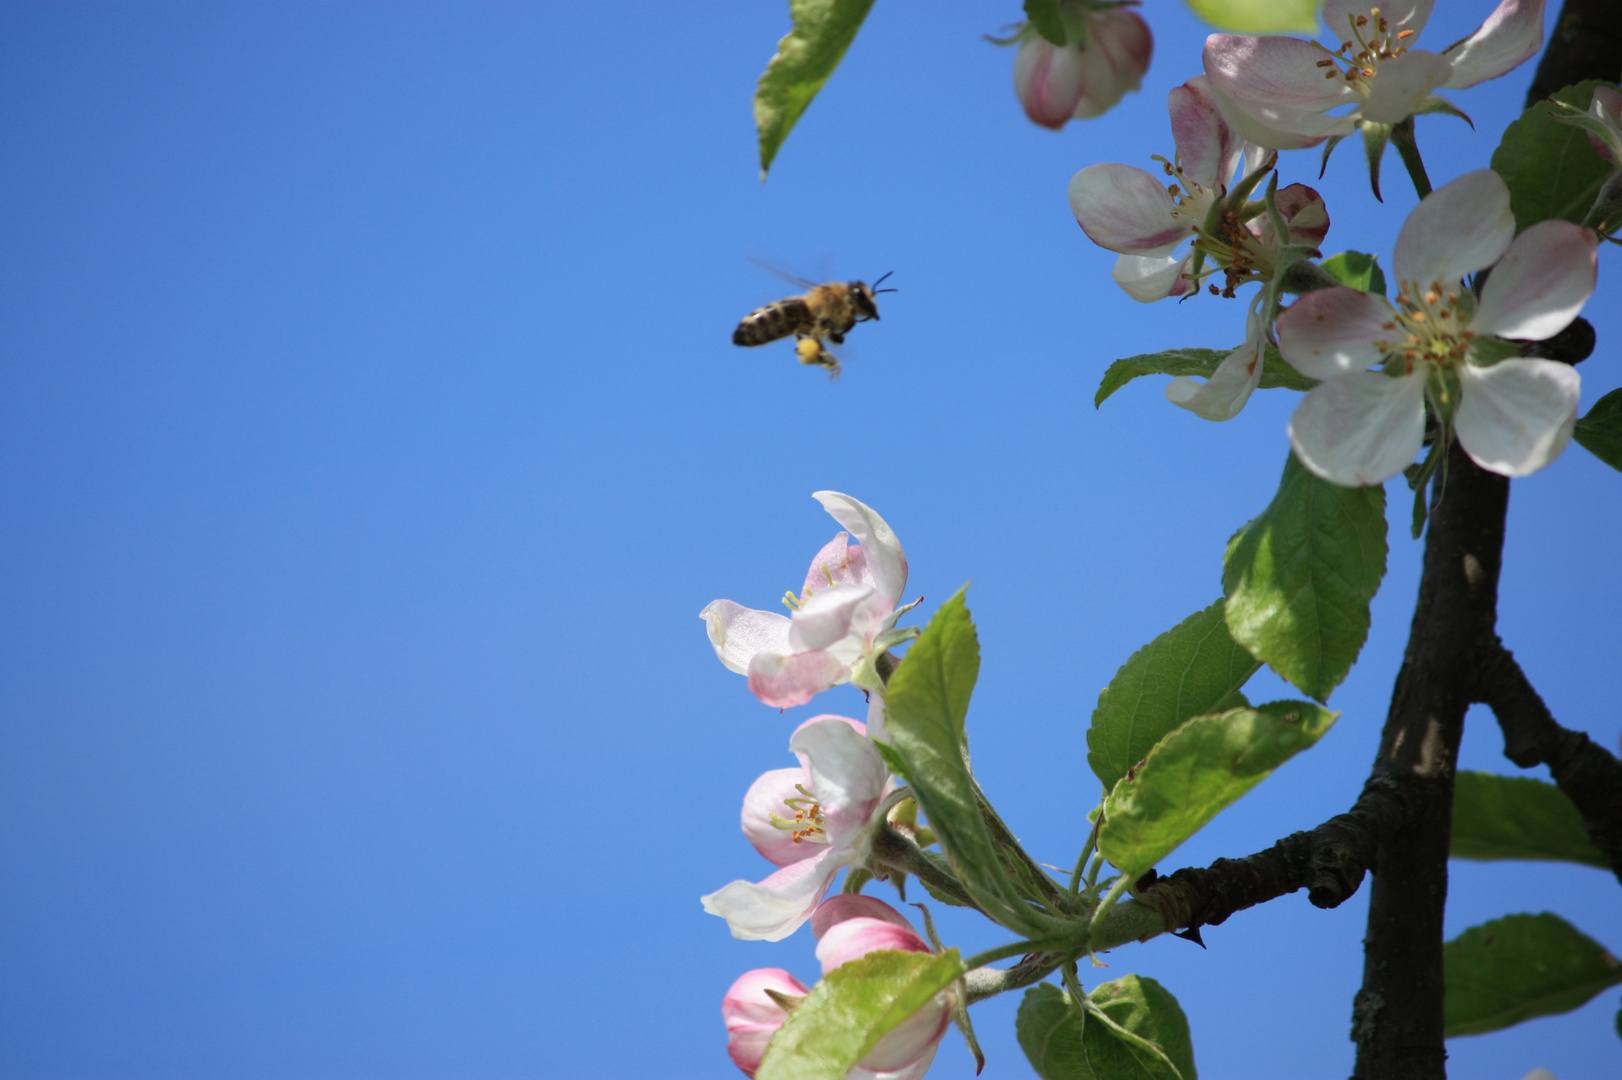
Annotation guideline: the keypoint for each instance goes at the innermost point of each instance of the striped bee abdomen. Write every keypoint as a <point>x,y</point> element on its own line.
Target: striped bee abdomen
<point>775,320</point>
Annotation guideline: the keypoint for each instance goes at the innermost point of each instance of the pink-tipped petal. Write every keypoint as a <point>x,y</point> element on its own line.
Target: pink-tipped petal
<point>739,633</point>
<point>836,909</point>
<point>1512,34</point>
<point>1147,278</point>
<point>847,774</point>
<point>838,563</point>
<point>912,1040</point>
<point>1272,93</point>
<point>1402,84</point>
<point>1517,416</point>
<point>836,618</point>
<point>752,1016</point>
<point>773,909</point>
<point>1206,147</point>
<point>1125,209</point>
<point>1330,332</point>
<point>766,799</point>
<point>918,1068</point>
<point>1540,284</point>
<point>852,939</point>
<point>1123,44</point>
<point>1361,428</point>
<point>1306,218</point>
<point>1222,395</point>
<point>805,762</point>
<point>787,681</point>
<point>1048,80</point>
<point>886,562</point>
<point>1459,228</point>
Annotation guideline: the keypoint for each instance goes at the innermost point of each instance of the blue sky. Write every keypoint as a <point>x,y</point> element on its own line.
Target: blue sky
<point>371,438</point>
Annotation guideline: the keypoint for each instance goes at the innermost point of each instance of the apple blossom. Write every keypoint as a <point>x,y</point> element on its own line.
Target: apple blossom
<point>848,927</point>
<point>812,822</point>
<point>843,619</point>
<point>1134,213</point>
<point>1082,79</point>
<point>1514,416</point>
<point>1278,92</point>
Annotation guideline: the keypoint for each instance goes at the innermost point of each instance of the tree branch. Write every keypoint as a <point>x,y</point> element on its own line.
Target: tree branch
<point>1589,775</point>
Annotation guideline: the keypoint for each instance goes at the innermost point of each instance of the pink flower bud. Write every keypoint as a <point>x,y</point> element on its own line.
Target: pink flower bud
<point>1057,83</point>
<point>752,1017</point>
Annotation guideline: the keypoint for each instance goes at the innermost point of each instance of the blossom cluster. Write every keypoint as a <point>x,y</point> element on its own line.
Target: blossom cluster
<point>1448,355</point>
<point>818,817</point>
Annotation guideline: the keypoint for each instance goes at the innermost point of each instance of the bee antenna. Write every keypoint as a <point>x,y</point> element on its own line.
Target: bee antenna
<point>880,281</point>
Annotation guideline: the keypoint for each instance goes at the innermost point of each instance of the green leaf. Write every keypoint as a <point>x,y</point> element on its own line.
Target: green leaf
<point>851,1009</point>
<point>1356,270</point>
<point>1516,817</point>
<point>1045,20</point>
<point>823,30</point>
<point>1518,967</point>
<point>925,705</point>
<point>1260,16</point>
<point>1600,432</point>
<point>1196,772</point>
<point>1196,362</point>
<point>1061,1047</point>
<point>1191,669</point>
<point>1551,168</point>
<point>1299,578</point>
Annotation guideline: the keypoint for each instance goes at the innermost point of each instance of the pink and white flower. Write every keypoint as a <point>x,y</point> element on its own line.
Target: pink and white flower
<point>1279,92</point>
<point>1437,343</point>
<point>812,822</point>
<point>847,927</point>
<point>843,618</point>
<point>1080,80</point>
<point>1133,212</point>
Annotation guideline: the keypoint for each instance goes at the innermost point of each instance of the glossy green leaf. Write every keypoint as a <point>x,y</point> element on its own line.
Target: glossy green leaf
<point>1199,363</point>
<point>851,1009</point>
<point>823,30</point>
<point>1061,1047</point>
<point>1551,168</point>
<point>1198,770</point>
<point>925,706</point>
<point>1600,432</point>
<point>1191,669</point>
<point>1299,578</point>
<point>1512,969</point>
<point>1516,817</point>
<point>1260,16</point>
<point>1044,19</point>
<point>1357,271</point>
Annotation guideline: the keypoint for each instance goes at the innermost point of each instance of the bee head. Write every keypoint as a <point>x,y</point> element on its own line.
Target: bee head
<point>862,294</point>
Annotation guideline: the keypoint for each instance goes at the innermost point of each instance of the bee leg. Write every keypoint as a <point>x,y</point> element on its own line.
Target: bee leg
<point>837,338</point>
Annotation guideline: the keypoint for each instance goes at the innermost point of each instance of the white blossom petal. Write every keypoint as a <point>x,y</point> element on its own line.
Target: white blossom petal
<point>1402,83</point>
<point>766,797</point>
<point>773,909</point>
<point>1222,395</point>
<point>886,561</point>
<point>1516,416</point>
<point>1540,284</point>
<point>1147,278</point>
<point>1361,428</point>
<point>838,562</point>
<point>1330,332</point>
<point>835,613</point>
<point>1399,15</point>
<point>1512,34</point>
<point>1459,228</point>
<point>915,1071</point>
<point>847,774</point>
<point>1207,148</point>
<point>1125,209</point>
<point>738,633</point>
<point>1272,93</point>
<point>787,681</point>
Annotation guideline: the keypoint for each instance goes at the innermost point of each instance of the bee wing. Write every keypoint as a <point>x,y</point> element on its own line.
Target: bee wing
<point>792,279</point>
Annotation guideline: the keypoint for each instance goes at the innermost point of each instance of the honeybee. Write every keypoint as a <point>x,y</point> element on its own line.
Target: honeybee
<point>811,350</point>
<point>825,311</point>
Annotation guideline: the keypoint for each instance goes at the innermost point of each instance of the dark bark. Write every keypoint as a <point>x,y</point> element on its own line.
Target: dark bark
<point>1586,44</point>
<point>1588,774</point>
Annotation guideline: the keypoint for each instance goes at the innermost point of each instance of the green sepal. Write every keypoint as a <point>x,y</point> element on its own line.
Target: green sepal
<point>1356,270</point>
<point>1044,18</point>
<point>1299,578</point>
<point>1060,1046</point>
<point>806,57</point>
<point>851,1009</point>
<point>1196,772</point>
<point>1375,139</point>
<point>1517,817</point>
<point>1194,668</point>
<point>1518,967</point>
<point>1600,432</point>
<point>1551,167</point>
<point>1197,362</point>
